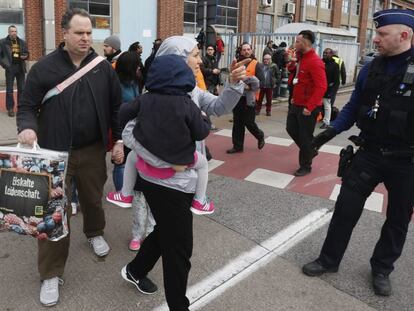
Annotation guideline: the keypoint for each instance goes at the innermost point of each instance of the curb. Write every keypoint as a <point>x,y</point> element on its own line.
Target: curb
<point>8,141</point>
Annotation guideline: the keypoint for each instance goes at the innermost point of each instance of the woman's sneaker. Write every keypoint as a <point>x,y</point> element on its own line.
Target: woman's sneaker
<point>118,199</point>
<point>205,208</point>
<point>144,285</point>
<point>134,245</point>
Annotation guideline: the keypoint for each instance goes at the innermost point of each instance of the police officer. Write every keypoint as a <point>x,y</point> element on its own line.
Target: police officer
<point>382,107</point>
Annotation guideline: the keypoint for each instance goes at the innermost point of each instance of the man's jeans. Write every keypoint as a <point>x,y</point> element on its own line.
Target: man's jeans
<point>14,72</point>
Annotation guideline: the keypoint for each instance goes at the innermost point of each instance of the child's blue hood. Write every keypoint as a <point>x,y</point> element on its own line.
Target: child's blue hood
<point>169,74</point>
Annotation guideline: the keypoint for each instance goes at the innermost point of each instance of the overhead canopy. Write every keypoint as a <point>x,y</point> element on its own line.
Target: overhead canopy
<point>295,28</point>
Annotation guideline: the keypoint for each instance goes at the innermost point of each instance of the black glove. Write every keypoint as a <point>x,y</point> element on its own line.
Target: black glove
<point>323,137</point>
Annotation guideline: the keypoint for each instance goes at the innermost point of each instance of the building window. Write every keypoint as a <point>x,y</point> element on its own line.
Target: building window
<point>369,45</point>
<point>99,10</point>
<point>283,20</point>
<point>378,5</point>
<point>311,2</point>
<point>370,8</point>
<point>190,16</point>
<point>227,13</point>
<point>356,7</point>
<point>11,12</point>
<point>345,6</point>
<point>325,4</point>
<point>264,23</point>
<point>325,24</point>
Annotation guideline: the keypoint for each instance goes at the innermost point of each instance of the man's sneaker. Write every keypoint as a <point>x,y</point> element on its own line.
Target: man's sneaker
<point>202,208</point>
<point>144,285</point>
<point>99,246</point>
<point>74,208</point>
<point>134,245</point>
<point>118,199</point>
<point>49,291</point>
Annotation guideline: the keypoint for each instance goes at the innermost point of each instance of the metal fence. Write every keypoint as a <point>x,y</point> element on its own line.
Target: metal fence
<point>347,50</point>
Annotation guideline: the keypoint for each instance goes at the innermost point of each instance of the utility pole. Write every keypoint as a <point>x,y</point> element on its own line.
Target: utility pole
<point>205,26</point>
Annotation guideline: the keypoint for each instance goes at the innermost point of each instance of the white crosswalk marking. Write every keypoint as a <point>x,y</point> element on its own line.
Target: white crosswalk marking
<point>374,202</point>
<point>213,164</point>
<point>331,149</point>
<point>279,141</point>
<point>224,132</point>
<point>270,178</point>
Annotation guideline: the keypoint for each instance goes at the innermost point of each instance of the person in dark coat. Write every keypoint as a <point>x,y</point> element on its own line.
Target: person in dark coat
<point>210,70</point>
<point>332,76</point>
<point>269,79</point>
<point>13,54</point>
<point>382,108</point>
<point>77,121</point>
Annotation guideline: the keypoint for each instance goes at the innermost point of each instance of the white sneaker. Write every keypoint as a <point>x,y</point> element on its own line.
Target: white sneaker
<point>99,246</point>
<point>74,208</point>
<point>49,292</point>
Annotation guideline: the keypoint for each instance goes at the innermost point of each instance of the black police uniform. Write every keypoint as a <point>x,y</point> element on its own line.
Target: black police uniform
<point>385,115</point>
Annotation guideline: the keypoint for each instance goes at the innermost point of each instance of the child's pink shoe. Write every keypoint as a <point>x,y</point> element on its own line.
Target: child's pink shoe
<point>134,245</point>
<point>202,209</point>
<point>118,199</point>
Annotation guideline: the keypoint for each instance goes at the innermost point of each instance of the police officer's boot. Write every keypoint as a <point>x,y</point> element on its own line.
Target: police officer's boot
<point>316,268</point>
<point>381,284</point>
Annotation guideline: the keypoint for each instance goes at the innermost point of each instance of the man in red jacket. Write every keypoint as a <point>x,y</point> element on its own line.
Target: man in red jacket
<point>309,86</point>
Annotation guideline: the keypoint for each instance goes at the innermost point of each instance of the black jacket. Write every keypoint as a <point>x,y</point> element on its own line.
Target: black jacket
<point>89,106</point>
<point>332,77</point>
<point>6,52</point>
<point>209,63</point>
<point>169,122</point>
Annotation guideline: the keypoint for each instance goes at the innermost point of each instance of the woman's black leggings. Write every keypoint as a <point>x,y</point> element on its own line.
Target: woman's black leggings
<point>172,239</point>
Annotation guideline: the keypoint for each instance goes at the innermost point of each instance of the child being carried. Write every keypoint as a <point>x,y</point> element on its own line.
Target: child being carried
<point>165,126</point>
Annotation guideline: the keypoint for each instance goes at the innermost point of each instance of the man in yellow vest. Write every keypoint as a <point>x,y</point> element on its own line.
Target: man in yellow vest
<point>342,74</point>
<point>244,113</point>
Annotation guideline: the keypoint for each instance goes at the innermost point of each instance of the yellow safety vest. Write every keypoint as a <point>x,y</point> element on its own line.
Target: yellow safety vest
<point>339,61</point>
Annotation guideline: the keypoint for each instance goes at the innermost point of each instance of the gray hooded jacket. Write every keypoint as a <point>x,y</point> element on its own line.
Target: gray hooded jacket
<point>212,105</point>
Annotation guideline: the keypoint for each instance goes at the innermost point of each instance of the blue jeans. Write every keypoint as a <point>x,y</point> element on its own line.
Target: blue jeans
<point>118,176</point>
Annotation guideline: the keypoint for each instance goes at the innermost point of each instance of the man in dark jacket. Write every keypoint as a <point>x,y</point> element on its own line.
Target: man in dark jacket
<point>77,121</point>
<point>150,59</point>
<point>210,70</point>
<point>332,77</point>
<point>270,78</point>
<point>13,53</point>
<point>381,106</point>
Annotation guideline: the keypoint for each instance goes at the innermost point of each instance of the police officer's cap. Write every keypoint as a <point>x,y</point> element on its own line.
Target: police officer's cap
<point>394,16</point>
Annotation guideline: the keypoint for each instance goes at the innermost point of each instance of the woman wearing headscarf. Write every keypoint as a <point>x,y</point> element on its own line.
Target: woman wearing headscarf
<point>170,199</point>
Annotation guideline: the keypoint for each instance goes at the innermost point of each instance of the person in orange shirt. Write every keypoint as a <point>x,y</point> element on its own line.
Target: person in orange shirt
<point>244,113</point>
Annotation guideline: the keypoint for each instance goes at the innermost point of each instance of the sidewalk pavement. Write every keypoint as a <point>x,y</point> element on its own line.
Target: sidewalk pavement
<point>8,129</point>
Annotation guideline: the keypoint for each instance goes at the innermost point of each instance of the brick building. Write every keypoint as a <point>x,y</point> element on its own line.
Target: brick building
<point>38,21</point>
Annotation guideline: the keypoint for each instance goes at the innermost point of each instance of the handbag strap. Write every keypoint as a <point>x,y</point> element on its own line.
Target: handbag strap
<point>73,78</point>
